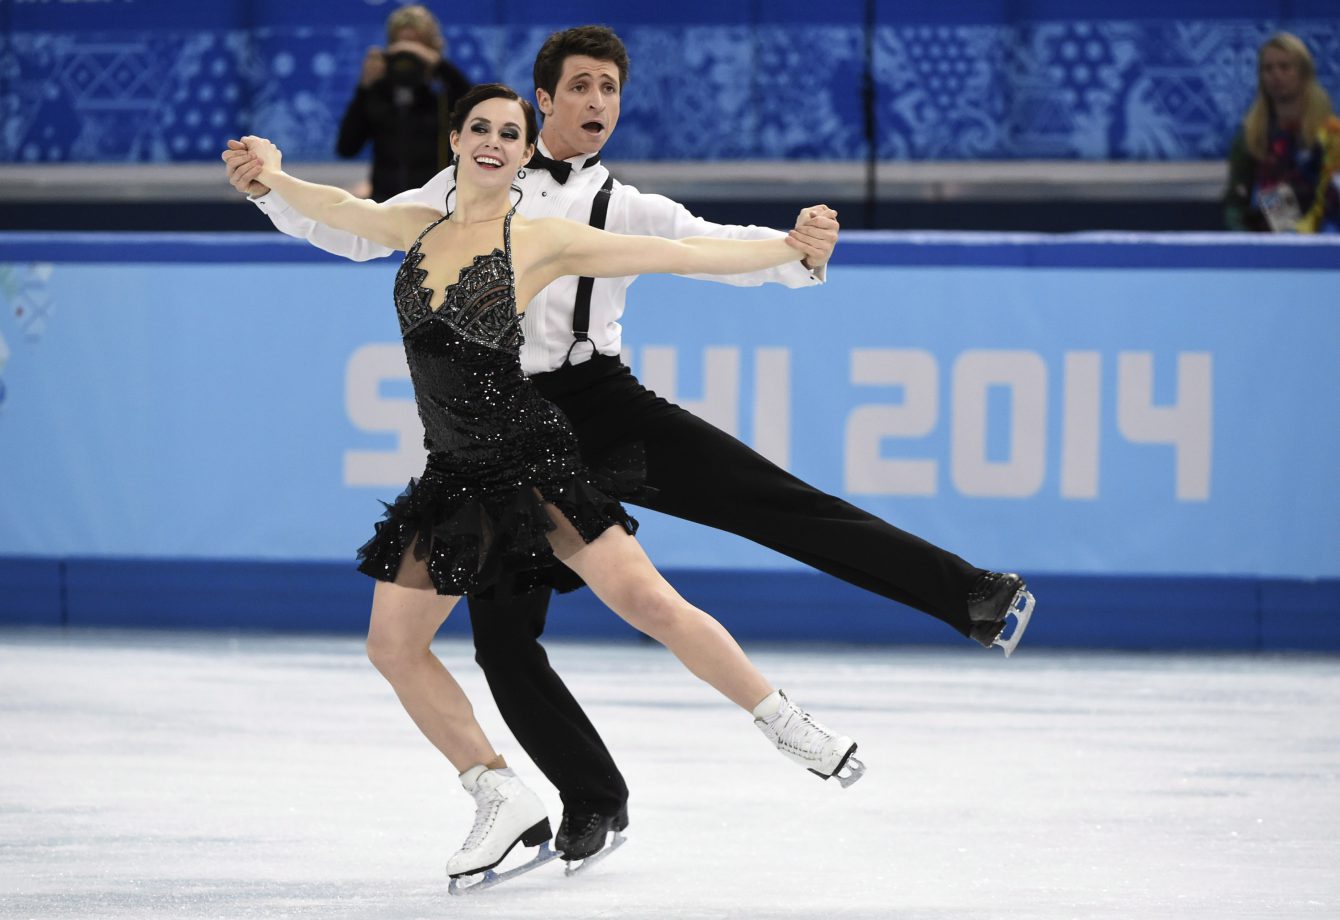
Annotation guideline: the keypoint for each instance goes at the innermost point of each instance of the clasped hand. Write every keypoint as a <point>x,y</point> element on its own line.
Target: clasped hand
<point>815,235</point>
<point>247,159</point>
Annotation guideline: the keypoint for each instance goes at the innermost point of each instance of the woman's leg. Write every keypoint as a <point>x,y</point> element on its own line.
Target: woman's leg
<point>406,614</point>
<point>621,575</point>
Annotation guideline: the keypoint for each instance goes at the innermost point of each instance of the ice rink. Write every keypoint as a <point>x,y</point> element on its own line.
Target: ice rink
<point>155,775</point>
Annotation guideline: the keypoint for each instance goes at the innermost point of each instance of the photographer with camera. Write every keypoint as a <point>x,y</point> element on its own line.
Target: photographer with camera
<point>402,102</point>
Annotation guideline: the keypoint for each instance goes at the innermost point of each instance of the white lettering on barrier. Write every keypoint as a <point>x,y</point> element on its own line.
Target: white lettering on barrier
<point>368,410</point>
<point>720,405</point>
<point>1186,424</point>
<point>1024,375</point>
<point>772,404</point>
<point>372,365</point>
<point>917,374</point>
<point>1081,424</point>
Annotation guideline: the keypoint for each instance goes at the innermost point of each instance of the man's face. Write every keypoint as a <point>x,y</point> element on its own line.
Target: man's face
<point>580,117</point>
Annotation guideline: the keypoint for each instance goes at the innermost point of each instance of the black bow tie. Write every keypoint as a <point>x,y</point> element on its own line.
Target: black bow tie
<point>559,169</point>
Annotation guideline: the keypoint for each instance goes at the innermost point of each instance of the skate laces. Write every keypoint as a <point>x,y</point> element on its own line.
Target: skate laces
<point>800,733</point>
<point>487,802</point>
<point>985,586</point>
<point>578,825</point>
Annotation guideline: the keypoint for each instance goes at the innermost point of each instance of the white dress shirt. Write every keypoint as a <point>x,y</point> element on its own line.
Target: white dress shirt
<point>548,321</point>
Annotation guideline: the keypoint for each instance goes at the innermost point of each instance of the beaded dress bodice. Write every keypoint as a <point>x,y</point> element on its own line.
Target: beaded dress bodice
<point>464,357</point>
<point>481,305</point>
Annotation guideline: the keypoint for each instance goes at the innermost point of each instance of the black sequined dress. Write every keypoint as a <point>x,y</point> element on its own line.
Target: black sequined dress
<point>496,447</point>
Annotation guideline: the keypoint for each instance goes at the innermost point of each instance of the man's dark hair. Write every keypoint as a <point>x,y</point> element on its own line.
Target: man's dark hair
<point>486,91</point>
<point>597,42</point>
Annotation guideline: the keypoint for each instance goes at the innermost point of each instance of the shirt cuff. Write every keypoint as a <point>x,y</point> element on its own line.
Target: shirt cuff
<point>271,202</point>
<point>796,275</point>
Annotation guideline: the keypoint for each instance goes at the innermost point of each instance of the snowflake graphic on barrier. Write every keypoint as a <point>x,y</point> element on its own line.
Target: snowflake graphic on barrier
<point>25,289</point>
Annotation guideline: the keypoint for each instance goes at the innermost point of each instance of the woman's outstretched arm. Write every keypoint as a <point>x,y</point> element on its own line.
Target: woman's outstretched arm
<point>575,249</point>
<point>390,225</point>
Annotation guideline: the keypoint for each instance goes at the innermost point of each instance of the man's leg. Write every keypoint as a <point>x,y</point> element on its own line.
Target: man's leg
<point>538,708</point>
<point>699,473</point>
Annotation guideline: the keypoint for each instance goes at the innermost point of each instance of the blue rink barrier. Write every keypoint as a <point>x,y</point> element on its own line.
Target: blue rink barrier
<point>198,430</point>
<point>1074,611</point>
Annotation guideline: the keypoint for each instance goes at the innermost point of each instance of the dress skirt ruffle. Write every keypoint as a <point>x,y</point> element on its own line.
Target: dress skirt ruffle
<point>487,544</point>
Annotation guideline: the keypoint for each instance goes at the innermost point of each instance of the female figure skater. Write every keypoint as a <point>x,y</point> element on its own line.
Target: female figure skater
<point>504,489</point>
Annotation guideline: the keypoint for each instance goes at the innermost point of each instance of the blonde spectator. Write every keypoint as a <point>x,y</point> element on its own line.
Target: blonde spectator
<point>1285,158</point>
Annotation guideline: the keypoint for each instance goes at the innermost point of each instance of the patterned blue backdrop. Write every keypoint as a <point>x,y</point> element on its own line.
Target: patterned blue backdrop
<point>160,80</point>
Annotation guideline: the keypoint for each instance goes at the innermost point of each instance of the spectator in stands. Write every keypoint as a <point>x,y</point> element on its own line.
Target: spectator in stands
<point>1284,165</point>
<point>402,102</point>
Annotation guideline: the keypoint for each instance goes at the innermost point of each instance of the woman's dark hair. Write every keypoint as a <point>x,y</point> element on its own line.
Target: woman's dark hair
<point>597,42</point>
<point>485,91</point>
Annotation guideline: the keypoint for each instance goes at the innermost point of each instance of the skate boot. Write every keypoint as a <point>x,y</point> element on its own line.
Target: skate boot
<point>805,741</point>
<point>506,813</point>
<point>993,598</point>
<point>582,837</point>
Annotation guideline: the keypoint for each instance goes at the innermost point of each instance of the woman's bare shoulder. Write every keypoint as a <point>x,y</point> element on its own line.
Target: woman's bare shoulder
<point>412,212</point>
<point>547,227</point>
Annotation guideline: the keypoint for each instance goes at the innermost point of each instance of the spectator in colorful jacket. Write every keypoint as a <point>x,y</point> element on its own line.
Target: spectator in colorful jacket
<point>1284,165</point>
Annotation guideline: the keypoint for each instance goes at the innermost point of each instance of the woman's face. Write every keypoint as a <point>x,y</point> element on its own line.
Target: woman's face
<point>492,143</point>
<point>1281,78</point>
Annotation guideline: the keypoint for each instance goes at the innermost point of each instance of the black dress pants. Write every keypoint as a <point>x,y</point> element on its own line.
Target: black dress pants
<point>698,473</point>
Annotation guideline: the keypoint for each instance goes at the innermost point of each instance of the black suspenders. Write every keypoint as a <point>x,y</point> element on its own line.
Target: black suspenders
<point>581,310</point>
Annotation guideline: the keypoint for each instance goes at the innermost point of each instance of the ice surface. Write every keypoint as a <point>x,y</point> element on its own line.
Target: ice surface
<point>155,775</point>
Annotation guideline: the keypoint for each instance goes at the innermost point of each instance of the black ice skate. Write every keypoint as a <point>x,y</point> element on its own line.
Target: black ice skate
<point>584,839</point>
<point>992,600</point>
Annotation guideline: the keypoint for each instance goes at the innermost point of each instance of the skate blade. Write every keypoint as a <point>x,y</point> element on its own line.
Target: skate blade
<point>849,769</point>
<point>616,840</point>
<point>1022,608</point>
<point>470,884</point>
<point>850,772</point>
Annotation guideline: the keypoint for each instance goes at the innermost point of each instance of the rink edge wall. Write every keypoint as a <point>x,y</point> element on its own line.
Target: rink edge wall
<point>1074,610</point>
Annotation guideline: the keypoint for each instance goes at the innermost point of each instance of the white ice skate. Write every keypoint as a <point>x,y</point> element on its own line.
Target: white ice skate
<point>506,813</point>
<point>795,733</point>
